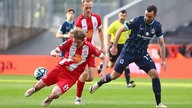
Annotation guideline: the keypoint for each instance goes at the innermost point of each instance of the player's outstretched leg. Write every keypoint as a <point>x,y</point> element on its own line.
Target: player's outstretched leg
<point>94,87</point>
<point>157,91</point>
<point>79,90</point>
<point>55,94</point>
<point>37,86</point>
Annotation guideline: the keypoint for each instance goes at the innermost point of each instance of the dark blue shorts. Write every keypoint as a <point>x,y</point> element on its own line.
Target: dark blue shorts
<point>143,61</point>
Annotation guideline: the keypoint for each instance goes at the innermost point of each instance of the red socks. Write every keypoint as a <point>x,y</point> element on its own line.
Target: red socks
<point>80,86</point>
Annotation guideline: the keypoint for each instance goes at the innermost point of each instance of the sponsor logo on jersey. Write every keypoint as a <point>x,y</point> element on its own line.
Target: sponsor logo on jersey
<point>121,61</point>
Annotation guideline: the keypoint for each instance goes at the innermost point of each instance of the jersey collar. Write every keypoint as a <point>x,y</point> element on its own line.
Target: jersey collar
<point>150,23</point>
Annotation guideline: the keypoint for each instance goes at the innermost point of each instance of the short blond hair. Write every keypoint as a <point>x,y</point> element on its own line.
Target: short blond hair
<point>78,33</point>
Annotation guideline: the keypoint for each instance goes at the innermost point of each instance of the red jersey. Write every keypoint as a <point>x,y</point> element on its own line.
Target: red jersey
<point>77,58</point>
<point>90,25</point>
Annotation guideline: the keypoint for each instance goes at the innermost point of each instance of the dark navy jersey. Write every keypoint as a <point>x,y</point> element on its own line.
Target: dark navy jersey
<point>141,34</point>
<point>65,28</point>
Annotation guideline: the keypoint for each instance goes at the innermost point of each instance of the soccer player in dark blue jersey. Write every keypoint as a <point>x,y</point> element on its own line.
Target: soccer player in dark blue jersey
<point>66,26</point>
<point>143,28</point>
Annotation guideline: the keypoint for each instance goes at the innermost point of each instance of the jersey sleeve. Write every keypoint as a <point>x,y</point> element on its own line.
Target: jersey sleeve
<point>62,28</point>
<point>65,44</point>
<point>95,51</point>
<point>99,21</point>
<point>78,22</point>
<point>159,31</point>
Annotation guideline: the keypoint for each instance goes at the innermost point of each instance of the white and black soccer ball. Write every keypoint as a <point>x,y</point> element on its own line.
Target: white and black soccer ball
<point>40,72</point>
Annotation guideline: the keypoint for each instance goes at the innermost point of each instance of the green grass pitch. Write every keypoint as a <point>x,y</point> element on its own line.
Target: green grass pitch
<point>176,93</point>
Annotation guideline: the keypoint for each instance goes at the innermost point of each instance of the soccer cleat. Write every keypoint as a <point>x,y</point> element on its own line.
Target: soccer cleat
<point>29,92</point>
<point>161,106</point>
<point>100,67</point>
<point>93,88</point>
<point>78,101</point>
<point>46,102</point>
<point>131,84</point>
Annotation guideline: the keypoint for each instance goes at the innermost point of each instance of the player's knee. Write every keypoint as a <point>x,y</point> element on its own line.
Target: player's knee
<point>84,75</point>
<point>115,75</point>
<point>153,74</point>
<point>89,79</point>
<point>110,64</point>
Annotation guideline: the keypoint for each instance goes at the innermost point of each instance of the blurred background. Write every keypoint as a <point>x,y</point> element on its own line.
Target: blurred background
<point>28,34</point>
<point>29,26</point>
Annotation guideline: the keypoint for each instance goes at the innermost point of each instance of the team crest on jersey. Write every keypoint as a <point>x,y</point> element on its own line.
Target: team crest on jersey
<point>153,31</point>
<point>121,61</point>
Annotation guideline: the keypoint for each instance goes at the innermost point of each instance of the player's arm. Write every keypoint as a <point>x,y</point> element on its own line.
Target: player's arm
<point>104,58</point>
<point>60,35</point>
<point>100,33</point>
<point>101,36</point>
<point>98,53</point>
<point>61,32</point>
<point>162,51</point>
<point>113,49</point>
<point>62,47</point>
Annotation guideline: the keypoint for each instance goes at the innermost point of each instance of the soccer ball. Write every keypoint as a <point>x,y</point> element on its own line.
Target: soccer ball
<point>40,72</point>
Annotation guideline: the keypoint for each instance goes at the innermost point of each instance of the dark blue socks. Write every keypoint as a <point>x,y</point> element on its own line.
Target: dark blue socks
<point>157,89</point>
<point>102,81</point>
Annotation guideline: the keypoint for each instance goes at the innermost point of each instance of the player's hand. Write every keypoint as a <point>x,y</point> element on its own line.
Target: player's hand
<point>103,50</point>
<point>113,50</point>
<point>66,35</point>
<point>164,65</point>
<point>55,54</point>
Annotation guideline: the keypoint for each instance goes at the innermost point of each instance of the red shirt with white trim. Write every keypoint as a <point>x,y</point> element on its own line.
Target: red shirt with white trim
<point>77,58</point>
<point>89,25</point>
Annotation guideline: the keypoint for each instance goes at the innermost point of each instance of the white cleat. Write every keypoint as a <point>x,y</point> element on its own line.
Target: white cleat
<point>46,102</point>
<point>161,106</point>
<point>93,88</point>
<point>29,92</point>
<point>78,101</point>
<point>131,84</point>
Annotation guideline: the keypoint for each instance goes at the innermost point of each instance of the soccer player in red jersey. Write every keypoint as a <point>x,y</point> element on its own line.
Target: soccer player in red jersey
<point>78,52</point>
<point>91,23</point>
